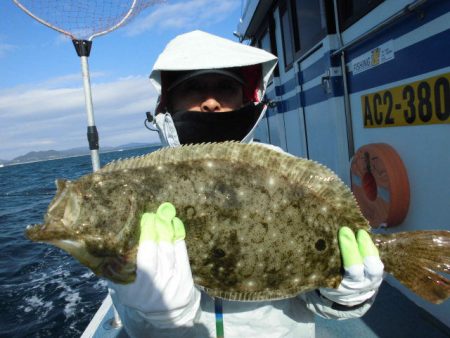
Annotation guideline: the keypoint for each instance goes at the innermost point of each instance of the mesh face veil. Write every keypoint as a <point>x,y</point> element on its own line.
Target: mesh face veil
<point>201,127</point>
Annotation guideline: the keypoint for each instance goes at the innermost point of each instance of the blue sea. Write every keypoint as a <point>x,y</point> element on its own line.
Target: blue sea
<point>44,292</point>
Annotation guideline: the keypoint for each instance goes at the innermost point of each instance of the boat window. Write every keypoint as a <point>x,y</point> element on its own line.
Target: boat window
<point>267,40</point>
<point>312,18</point>
<point>351,11</point>
<point>304,23</point>
<point>287,32</point>
<point>264,41</point>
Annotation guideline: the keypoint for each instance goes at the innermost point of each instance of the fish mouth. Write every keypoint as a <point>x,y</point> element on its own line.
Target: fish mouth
<point>61,217</point>
<point>119,269</point>
<point>36,233</point>
<point>78,250</point>
<point>46,232</point>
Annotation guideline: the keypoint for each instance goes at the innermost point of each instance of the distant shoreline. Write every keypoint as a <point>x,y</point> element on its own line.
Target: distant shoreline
<point>108,150</point>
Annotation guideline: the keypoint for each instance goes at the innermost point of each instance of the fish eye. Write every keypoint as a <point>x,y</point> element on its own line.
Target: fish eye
<point>218,253</point>
<point>320,245</point>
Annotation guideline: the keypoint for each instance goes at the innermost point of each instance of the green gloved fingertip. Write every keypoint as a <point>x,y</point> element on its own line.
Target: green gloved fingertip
<point>164,229</point>
<point>166,211</point>
<point>148,229</point>
<point>366,245</point>
<point>349,247</point>
<point>178,227</point>
<point>162,226</point>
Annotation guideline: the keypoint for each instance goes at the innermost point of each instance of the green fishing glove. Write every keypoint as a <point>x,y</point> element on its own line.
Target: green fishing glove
<point>164,289</point>
<point>363,269</point>
<point>354,250</point>
<point>162,226</point>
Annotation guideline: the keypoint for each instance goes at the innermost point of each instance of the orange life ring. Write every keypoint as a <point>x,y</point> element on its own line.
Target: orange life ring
<point>380,184</point>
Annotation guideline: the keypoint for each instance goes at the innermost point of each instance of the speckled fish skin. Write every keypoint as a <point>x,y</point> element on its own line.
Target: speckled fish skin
<point>260,225</point>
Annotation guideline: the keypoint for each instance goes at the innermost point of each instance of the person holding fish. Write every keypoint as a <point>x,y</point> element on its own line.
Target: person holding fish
<point>211,90</point>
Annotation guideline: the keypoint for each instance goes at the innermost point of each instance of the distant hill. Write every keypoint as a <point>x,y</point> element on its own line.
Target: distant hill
<point>34,156</point>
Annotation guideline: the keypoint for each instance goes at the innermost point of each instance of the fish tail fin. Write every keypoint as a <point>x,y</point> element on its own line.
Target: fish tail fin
<point>419,260</point>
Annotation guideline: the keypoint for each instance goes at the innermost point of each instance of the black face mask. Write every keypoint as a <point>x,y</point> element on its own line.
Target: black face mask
<point>199,127</point>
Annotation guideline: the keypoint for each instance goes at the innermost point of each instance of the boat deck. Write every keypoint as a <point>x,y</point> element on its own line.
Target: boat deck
<point>392,315</point>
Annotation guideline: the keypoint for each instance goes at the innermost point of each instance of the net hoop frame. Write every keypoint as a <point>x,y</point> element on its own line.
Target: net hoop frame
<point>73,37</point>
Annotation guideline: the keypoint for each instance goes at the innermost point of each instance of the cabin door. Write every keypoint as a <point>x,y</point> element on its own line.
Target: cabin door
<point>322,108</point>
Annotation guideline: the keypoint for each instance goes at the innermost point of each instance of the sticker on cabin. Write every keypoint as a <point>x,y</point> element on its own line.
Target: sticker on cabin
<point>373,58</point>
<point>417,103</point>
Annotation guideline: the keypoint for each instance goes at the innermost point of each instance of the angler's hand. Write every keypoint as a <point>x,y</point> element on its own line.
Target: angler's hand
<point>163,287</point>
<point>363,269</point>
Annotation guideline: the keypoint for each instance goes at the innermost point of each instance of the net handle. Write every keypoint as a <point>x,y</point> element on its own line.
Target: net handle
<point>120,23</point>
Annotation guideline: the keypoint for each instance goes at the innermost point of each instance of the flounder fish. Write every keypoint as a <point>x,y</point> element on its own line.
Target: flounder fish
<point>260,224</point>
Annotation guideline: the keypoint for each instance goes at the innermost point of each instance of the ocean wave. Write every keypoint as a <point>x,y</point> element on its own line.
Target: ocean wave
<point>44,292</point>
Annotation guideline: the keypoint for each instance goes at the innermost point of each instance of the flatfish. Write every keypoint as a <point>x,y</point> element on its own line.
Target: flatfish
<point>260,224</point>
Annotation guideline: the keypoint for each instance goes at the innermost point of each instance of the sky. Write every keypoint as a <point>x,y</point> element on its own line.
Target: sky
<point>42,104</point>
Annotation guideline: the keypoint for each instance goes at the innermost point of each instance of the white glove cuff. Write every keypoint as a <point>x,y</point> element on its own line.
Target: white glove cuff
<point>163,293</point>
<point>359,284</point>
<point>183,316</point>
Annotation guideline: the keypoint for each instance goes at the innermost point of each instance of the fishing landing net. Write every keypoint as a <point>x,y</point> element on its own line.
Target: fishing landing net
<point>82,21</point>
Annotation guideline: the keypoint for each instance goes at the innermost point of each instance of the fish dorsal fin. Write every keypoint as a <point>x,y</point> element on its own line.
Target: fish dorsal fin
<point>254,154</point>
<point>230,151</point>
<point>317,178</point>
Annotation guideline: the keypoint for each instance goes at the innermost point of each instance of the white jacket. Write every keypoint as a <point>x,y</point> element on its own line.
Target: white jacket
<point>289,318</point>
